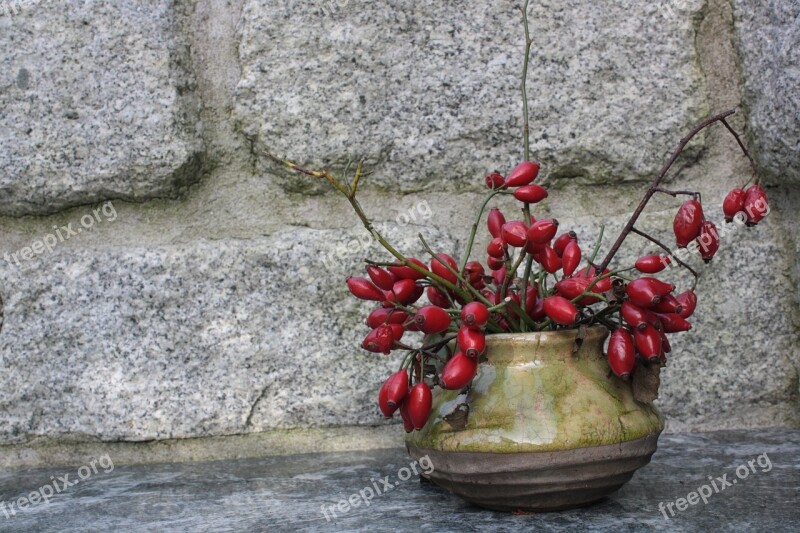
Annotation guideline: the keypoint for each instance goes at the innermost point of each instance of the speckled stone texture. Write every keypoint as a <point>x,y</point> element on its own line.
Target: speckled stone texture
<point>287,494</point>
<point>769,46</point>
<point>431,90</point>
<point>213,339</point>
<point>97,101</point>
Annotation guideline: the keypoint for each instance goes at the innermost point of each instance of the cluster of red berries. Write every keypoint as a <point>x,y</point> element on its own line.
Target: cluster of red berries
<point>536,280</point>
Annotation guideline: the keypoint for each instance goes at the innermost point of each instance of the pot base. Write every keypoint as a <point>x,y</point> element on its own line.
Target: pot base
<point>538,481</point>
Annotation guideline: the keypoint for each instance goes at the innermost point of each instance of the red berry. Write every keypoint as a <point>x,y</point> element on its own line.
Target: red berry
<point>733,204</point>
<point>571,288</point>
<point>688,301</point>
<point>404,292</point>
<point>571,257</point>
<point>756,205</point>
<point>534,306</point>
<point>495,222</point>
<point>633,315</point>
<point>523,174</point>
<point>495,180</point>
<point>386,315</point>
<point>708,241</point>
<point>458,372</point>
<point>560,244</point>
<point>673,323</point>
<point>561,311</point>
<point>364,289</point>
<point>379,340</point>
<point>496,248</point>
<point>499,276</point>
<point>621,353</point>
<point>471,341</point>
<point>432,319</point>
<point>688,222</point>
<point>665,346</point>
<point>652,264</point>
<point>602,286</point>
<point>515,233</point>
<point>407,424</point>
<point>437,297</point>
<point>475,314</point>
<point>530,194</point>
<point>644,292</point>
<point>396,388</point>
<point>406,272</point>
<point>438,267</point>
<point>668,304</point>
<point>419,401</point>
<point>648,342</point>
<point>397,331</point>
<point>380,277</point>
<point>549,260</point>
<point>474,272</point>
<point>542,231</point>
<point>494,264</point>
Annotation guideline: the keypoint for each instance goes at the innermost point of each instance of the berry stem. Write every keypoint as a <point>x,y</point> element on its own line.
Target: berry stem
<point>525,282</point>
<point>674,194</point>
<point>626,230</point>
<point>753,165</point>
<point>523,88</point>
<point>474,229</point>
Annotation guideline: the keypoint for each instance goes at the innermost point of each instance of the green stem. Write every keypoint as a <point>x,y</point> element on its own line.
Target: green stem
<point>474,230</point>
<point>524,83</point>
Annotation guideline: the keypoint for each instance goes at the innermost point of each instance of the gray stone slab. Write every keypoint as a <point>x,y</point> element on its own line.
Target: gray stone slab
<point>288,494</point>
<point>98,102</point>
<point>768,35</point>
<point>430,90</point>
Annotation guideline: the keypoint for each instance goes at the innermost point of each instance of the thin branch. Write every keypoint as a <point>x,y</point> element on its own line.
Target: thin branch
<point>653,186</point>
<point>744,149</point>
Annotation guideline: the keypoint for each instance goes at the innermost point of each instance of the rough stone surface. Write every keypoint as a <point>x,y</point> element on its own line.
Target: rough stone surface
<point>430,90</point>
<point>215,338</point>
<point>769,50</point>
<point>97,103</point>
<point>288,494</point>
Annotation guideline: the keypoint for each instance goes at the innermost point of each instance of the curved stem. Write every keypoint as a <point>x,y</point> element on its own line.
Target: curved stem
<point>474,229</point>
<point>671,254</point>
<point>653,186</point>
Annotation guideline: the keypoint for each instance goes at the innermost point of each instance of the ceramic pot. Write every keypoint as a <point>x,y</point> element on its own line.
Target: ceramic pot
<point>541,428</point>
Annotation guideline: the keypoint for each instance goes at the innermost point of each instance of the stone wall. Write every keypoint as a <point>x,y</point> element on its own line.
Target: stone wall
<point>183,286</point>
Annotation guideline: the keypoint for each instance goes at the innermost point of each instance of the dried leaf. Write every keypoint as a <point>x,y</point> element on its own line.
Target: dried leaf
<point>646,380</point>
<point>583,330</point>
<point>457,418</point>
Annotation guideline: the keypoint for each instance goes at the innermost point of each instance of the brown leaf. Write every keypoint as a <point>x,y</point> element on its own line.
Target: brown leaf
<point>457,418</point>
<point>646,380</point>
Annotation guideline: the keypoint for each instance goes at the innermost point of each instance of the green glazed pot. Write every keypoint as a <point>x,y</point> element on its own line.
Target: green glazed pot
<point>541,428</point>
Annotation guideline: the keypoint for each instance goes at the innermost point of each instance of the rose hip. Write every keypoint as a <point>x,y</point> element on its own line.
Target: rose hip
<point>530,194</point>
<point>560,244</point>
<point>542,231</point>
<point>474,272</point>
<point>673,323</point>
<point>408,426</point>
<point>648,342</point>
<point>652,264</point>
<point>496,248</point>
<point>570,258</point>
<point>495,180</point>
<point>495,222</point>
<point>396,388</point>
<point>380,277</point>
<point>733,204</point>
<point>523,174</point>
<point>475,314</point>
<point>438,267</point>
<point>432,319</point>
<point>549,260</point>
<point>635,316</point>
<point>458,372</point>
<point>688,301</point>
<point>419,402</point>
<point>688,222</point>
<point>471,341</point>
<point>756,205</point>
<point>621,353</point>
<point>406,272</point>
<point>515,233</point>
<point>437,297</point>
<point>364,289</point>
<point>561,311</point>
<point>708,241</point>
<point>379,340</point>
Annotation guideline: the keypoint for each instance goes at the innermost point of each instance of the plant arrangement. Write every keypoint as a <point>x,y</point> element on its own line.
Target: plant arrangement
<point>536,276</point>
